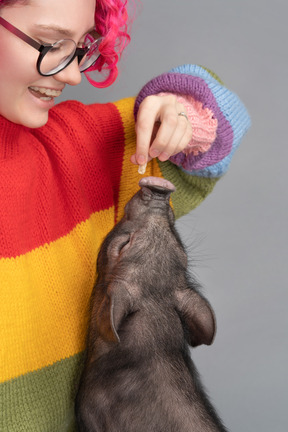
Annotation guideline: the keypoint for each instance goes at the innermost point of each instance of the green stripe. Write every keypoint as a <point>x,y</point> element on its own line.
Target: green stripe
<point>213,74</point>
<point>41,401</point>
<point>190,190</point>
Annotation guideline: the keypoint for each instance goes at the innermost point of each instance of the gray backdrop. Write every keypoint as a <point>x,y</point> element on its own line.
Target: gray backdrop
<point>237,238</point>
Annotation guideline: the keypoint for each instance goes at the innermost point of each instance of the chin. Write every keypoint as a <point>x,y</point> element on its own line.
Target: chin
<point>33,121</point>
<point>26,114</point>
<point>28,119</point>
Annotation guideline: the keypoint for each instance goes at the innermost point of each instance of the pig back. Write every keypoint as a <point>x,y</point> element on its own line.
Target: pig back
<point>147,382</point>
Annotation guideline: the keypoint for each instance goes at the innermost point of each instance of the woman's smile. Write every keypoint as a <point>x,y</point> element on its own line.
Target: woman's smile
<point>44,93</point>
<point>27,96</point>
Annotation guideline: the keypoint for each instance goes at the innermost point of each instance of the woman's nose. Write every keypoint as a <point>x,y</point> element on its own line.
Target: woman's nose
<point>70,75</point>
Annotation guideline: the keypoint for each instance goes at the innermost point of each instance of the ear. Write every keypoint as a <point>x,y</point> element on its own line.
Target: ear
<point>197,315</point>
<point>116,305</point>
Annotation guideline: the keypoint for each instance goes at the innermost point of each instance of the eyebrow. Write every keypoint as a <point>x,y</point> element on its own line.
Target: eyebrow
<point>59,30</point>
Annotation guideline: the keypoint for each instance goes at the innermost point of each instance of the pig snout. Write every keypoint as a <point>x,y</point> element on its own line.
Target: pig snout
<point>157,182</point>
<point>156,188</point>
<point>152,199</point>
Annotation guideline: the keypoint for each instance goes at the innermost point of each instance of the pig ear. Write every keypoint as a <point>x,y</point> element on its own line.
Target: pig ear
<point>116,305</point>
<point>197,315</point>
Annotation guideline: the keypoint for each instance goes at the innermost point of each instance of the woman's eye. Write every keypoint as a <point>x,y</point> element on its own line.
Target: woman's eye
<point>55,49</point>
<point>43,42</point>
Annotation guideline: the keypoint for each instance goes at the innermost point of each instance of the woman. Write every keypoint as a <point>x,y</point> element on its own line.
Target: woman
<point>65,176</point>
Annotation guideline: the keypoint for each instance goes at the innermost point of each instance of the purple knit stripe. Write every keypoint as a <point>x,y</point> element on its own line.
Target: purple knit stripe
<point>196,87</point>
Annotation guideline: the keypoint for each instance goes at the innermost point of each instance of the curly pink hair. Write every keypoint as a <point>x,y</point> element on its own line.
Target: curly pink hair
<point>111,21</point>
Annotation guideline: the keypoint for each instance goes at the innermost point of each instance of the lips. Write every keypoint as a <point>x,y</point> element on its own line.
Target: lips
<point>44,93</point>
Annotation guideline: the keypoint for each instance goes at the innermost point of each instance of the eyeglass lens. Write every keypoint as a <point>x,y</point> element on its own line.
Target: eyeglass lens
<point>58,56</point>
<point>61,53</point>
<point>91,56</point>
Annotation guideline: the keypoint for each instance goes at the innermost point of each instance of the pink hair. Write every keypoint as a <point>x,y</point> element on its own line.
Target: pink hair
<point>111,22</point>
<point>111,19</point>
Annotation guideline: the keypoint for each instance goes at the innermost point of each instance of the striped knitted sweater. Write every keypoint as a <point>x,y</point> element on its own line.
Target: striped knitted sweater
<point>62,188</point>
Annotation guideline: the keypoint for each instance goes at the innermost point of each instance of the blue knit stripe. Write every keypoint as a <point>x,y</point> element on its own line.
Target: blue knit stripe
<point>233,110</point>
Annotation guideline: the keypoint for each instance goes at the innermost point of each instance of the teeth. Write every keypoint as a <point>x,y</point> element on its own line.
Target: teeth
<point>47,92</point>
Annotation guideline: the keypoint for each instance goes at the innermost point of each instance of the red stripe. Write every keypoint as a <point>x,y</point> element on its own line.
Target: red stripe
<point>59,175</point>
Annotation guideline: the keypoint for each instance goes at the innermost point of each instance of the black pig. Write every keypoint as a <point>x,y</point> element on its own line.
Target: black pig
<point>138,375</point>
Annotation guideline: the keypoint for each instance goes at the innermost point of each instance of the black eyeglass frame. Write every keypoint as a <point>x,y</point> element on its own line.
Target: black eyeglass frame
<point>44,49</point>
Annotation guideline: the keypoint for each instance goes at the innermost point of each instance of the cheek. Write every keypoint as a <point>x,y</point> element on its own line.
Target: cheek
<point>17,63</point>
<point>9,79</point>
<point>17,73</point>
<point>10,75</point>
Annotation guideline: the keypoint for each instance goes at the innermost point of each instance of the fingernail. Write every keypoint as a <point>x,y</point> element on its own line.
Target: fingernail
<point>141,159</point>
<point>164,156</point>
<point>154,153</point>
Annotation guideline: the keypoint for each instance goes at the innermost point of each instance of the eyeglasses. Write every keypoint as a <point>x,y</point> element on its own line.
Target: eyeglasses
<point>56,57</point>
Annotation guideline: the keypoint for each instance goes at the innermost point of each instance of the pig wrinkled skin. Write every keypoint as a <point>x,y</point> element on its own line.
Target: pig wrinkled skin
<point>145,312</point>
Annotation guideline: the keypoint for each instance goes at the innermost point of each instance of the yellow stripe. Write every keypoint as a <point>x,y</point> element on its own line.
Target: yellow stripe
<point>129,184</point>
<point>44,298</point>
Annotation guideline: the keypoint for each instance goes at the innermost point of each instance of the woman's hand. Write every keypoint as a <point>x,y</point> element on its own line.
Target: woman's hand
<point>161,131</point>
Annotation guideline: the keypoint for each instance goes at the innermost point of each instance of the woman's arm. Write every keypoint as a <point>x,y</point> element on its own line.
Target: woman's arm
<point>192,81</point>
<point>194,173</point>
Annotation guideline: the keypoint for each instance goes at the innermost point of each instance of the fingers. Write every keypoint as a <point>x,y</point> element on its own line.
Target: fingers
<point>146,126</point>
<point>135,161</point>
<point>161,132</point>
<point>173,136</point>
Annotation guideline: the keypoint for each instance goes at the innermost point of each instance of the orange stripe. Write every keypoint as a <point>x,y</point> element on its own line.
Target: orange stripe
<point>44,298</point>
<point>129,186</point>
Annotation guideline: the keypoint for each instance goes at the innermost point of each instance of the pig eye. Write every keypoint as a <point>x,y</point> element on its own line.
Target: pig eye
<point>117,245</point>
<point>124,241</point>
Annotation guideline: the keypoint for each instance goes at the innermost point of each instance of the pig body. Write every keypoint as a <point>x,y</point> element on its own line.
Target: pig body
<point>145,312</point>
